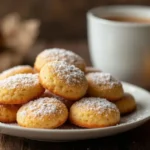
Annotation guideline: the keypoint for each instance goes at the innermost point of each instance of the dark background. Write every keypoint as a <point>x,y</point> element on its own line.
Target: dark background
<point>63,25</point>
<point>61,19</point>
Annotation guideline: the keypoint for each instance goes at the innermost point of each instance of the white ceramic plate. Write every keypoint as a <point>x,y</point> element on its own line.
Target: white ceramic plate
<point>141,115</point>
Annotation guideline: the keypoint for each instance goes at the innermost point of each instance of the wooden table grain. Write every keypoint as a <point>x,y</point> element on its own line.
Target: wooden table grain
<point>136,139</point>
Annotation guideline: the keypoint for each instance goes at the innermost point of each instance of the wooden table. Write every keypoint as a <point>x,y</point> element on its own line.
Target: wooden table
<point>136,139</point>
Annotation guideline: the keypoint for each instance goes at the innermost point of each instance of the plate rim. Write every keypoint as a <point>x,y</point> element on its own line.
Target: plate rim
<point>39,130</point>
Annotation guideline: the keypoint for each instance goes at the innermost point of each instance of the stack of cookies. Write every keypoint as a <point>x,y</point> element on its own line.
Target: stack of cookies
<point>61,87</point>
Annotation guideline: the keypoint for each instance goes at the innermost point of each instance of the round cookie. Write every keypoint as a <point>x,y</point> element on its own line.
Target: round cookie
<point>42,113</point>
<point>23,69</point>
<point>57,54</point>
<point>64,80</point>
<point>8,113</point>
<point>126,104</point>
<point>103,85</point>
<point>20,88</point>
<point>92,112</point>
<point>68,103</point>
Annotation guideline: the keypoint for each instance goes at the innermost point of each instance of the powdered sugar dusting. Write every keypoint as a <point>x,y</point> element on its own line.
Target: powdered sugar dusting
<point>16,68</point>
<point>69,73</point>
<point>101,78</point>
<point>20,80</point>
<point>97,104</point>
<point>42,106</point>
<point>133,117</point>
<point>139,114</point>
<point>57,54</point>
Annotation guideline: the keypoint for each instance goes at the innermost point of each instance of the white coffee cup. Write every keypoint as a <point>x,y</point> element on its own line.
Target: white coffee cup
<point>120,48</point>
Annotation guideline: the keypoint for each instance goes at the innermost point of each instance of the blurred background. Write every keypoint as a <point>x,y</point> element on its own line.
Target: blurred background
<point>29,26</point>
